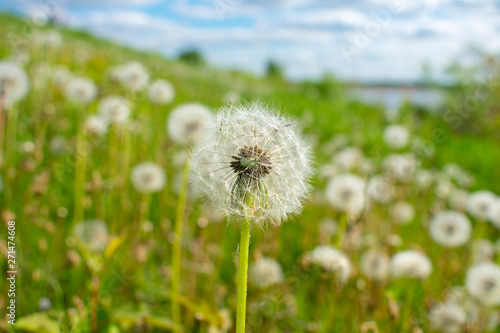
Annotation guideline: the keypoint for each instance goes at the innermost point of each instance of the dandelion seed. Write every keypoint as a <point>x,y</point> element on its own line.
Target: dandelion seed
<point>411,264</point>
<point>80,90</point>
<point>396,136</point>
<point>479,203</point>
<point>331,260</point>
<point>380,189</point>
<point>253,164</point>
<point>265,272</point>
<point>483,283</point>
<point>448,317</point>
<point>13,83</point>
<point>93,234</point>
<point>114,109</point>
<point>375,265</point>
<point>188,123</point>
<point>450,229</point>
<point>148,177</point>
<point>346,193</point>
<point>161,92</point>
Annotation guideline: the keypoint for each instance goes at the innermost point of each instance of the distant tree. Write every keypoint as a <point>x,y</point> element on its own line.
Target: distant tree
<point>274,69</point>
<point>192,57</point>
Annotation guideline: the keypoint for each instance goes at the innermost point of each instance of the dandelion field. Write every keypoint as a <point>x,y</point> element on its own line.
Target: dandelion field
<point>398,234</point>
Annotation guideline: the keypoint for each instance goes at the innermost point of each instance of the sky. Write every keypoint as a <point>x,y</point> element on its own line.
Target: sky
<point>361,40</point>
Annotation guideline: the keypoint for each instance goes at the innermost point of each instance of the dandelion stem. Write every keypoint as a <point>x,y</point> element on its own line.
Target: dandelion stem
<point>242,277</point>
<point>80,169</point>
<point>177,250</point>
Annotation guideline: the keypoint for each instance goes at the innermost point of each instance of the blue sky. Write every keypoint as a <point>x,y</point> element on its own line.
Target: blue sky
<point>365,40</point>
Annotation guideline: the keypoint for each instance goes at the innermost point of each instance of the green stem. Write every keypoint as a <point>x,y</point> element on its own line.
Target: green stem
<point>242,277</point>
<point>177,250</point>
<point>80,170</point>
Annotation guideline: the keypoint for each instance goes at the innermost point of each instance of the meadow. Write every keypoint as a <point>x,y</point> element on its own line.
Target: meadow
<point>398,233</point>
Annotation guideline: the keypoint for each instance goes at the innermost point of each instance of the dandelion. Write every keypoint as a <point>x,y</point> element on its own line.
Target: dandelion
<point>346,193</point>
<point>62,76</point>
<point>265,272</point>
<point>479,203</point>
<point>161,92</point>
<point>255,166</point>
<point>494,213</point>
<point>348,158</point>
<point>80,90</point>
<point>411,264</point>
<point>375,265</point>
<point>133,76</point>
<point>396,136</point>
<point>483,283</point>
<point>148,177</point>
<point>448,317</point>
<point>13,83</point>
<point>380,189</point>
<point>423,179</point>
<point>450,229</point>
<point>401,166</point>
<point>96,125</point>
<point>458,199</point>
<point>114,109</point>
<point>189,122</point>
<point>331,260</point>
<point>93,234</point>
<point>403,212</point>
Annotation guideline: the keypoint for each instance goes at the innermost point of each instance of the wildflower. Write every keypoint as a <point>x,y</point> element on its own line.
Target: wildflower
<point>161,92</point>
<point>133,76</point>
<point>93,234</point>
<point>375,265</point>
<point>403,212</point>
<point>331,260</point>
<point>188,123</point>
<point>478,204</point>
<point>114,109</point>
<point>253,164</point>
<point>401,166</point>
<point>450,229</point>
<point>348,158</point>
<point>80,90</point>
<point>13,83</point>
<point>411,264</point>
<point>96,125</point>
<point>448,317</point>
<point>346,193</point>
<point>148,177</point>
<point>483,283</point>
<point>396,136</point>
<point>380,189</point>
<point>265,272</point>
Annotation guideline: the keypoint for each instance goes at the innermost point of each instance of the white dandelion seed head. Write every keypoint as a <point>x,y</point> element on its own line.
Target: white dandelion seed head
<point>348,158</point>
<point>253,164</point>
<point>483,250</point>
<point>80,90</point>
<point>161,92</point>
<point>148,177</point>
<point>448,318</point>
<point>479,203</point>
<point>114,109</point>
<point>93,234</point>
<point>401,166</point>
<point>14,83</point>
<point>265,272</point>
<point>133,76</point>
<point>346,193</point>
<point>423,178</point>
<point>381,189</point>
<point>444,187</point>
<point>403,212</point>
<point>411,264</point>
<point>396,136</point>
<point>375,265</point>
<point>450,229</point>
<point>188,123</point>
<point>458,200</point>
<point>494,213</point>
<point>96,125</point>
<point>331,260</point>
<point>483,283</point>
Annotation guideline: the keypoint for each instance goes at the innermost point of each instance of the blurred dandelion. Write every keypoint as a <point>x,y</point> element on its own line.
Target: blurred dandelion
<point>448,317</point>
<point>411,264</point>
<point>483,283</point>
<point>265,272</point>
<point>331,260</point>
<point>346,193</point>
<point>396,136</point>
<point>450,229</point>
<point>93,234</point>
<point>80,90</point>
<point>188,123</point>
<point>161,92</point>
<point>133,76</point>
<point>14,83</point>
<point>375,265</point>
<point>148,177</point>
<point>478,204</point>
<point>114,109</point>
